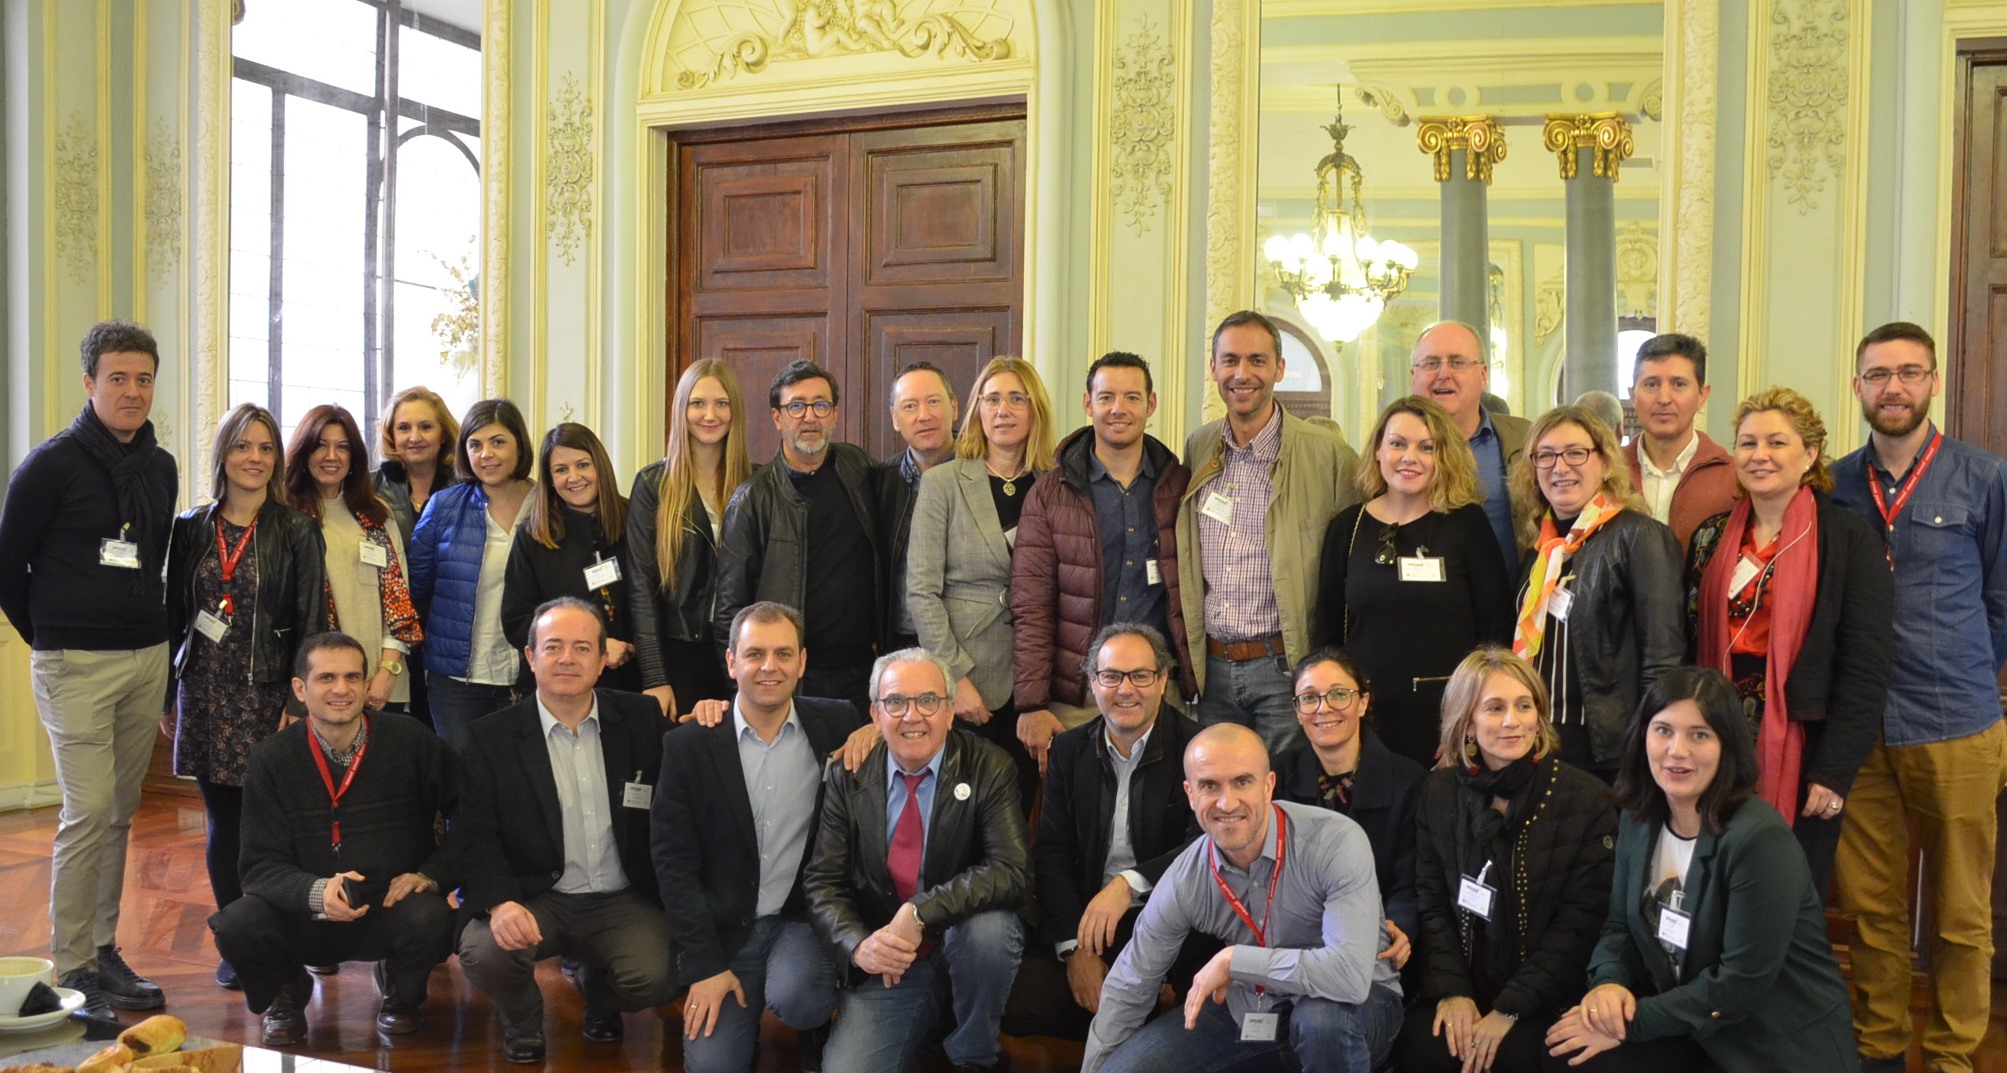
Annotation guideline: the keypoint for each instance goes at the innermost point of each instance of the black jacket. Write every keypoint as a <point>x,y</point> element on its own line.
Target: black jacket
<point>1840,682</point>
<point>976,857</point>
<point>1627,624</point>
<point>682,613</point>
<point>291,603</point>
<point>1072,847</point>
<point>894,499</point>
<point>1386,791</point>
<point>764,554</point>
<point>536,573</point>
<point>393,486</point>
<point>508,836</point>
<point>707,856</point>
<point>1553,865</point>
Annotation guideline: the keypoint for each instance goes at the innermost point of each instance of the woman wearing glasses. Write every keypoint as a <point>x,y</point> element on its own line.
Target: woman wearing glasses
<point>1793,600</point>
<point>1600,609</point>
<point>1512,872</point>
<point>958,562</point>
<point>1410,579</point>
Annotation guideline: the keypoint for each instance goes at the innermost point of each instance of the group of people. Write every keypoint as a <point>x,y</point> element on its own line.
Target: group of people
<point>1506,747</point>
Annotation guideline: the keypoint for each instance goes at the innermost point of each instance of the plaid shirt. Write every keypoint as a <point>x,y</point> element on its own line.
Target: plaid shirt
<point>1240,589</point>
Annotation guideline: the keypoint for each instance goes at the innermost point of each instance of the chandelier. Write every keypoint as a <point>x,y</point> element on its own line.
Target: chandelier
<point>1340,276</point>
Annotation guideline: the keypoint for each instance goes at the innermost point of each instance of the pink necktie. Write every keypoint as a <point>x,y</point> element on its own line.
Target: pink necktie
<point>908,839</point>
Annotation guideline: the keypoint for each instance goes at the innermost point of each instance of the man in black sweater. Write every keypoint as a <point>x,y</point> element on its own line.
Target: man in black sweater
<point>83,536</point>
<point>340,860</point>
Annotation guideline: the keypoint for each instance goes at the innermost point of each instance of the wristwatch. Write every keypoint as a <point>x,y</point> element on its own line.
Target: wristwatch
<point>395,667</point>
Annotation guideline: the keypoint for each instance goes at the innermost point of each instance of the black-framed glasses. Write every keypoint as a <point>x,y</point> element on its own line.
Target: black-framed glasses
<point>1387,553</point>
<point>1908,374</point>
<point>1457,364</point>
<point>1574,456</point>
<point>1141,678</point>
<point>897,705</point>
<point>1337,698</point>
<point>795,409</point>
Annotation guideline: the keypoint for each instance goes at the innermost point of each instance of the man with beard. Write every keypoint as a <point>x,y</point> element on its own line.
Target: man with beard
<point>804,532</point>
<point>1939,765</point>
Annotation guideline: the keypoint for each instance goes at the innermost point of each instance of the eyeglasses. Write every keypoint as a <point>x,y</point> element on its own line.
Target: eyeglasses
<point>1387,553</point>
<point>1908,374</point>
<point>1574,456</point>
<point>1141,678</point>
<point>1016,400</point>
<point>1457,364</point>
<point>1337,698</point>
<point>897,705</point>
<point>822,408</point>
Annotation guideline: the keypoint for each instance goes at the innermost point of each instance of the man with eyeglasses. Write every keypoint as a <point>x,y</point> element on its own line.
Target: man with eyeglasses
<point>804,532</point>
<point>1449,366</point>
<point>917,879</point>
<point>1939,763</point>
<point>924,408</point>
<point>1685,477</point>
<point>1112,821</point>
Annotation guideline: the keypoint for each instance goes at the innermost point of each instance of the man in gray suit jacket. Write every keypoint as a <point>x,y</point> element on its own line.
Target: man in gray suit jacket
<point>1451,369</point>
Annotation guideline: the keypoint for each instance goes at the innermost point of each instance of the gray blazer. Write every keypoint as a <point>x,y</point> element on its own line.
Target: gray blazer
<point>958,577</point>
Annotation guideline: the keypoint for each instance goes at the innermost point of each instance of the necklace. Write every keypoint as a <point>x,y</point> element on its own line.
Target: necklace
<point>1010,482</point>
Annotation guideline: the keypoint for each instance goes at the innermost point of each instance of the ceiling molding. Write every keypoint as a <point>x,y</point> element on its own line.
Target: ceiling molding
<point>1298,9</point>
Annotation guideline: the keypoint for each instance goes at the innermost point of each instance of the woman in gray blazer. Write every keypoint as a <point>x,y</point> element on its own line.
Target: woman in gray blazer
<point>958,559</point>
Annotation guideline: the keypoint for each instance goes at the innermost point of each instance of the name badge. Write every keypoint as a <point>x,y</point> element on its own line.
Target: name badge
<point>1560,604</point>
<point>375,555</point>
<point>1673,925</point>
<point>1745,572</point>
<point>602,573</point>
<point>1259,1027</point>
<point>1152,572</point>
<point>1476,895</point>
<point>1422,568</point>
<point>1217,507</point>
<point>210,626</point>
<point>123,554</point>
<point>638,795</point>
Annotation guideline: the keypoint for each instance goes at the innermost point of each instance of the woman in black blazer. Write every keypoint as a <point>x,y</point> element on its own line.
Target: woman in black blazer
<point>1512,870</point>
<point>572,542</point>
<point>1714,956</point>
<point>1792,599</point>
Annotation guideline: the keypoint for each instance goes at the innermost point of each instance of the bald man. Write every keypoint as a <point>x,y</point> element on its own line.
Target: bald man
<point>1291,890</point>
<point>1450,367</point>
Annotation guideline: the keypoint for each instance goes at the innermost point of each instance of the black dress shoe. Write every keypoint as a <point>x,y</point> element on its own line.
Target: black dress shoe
<point>604,1027</point>
<point>85,982</point>
<point>286,1017</point>
<point>324,970</point>
<point>123,987</point>
<point>397,1016</point>
<point>527,1049</point>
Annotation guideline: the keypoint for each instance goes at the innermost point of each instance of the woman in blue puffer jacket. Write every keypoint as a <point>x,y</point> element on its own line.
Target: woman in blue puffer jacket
<point>459,557</point>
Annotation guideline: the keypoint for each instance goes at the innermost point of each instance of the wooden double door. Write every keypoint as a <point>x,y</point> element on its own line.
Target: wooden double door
<point>862,244</point>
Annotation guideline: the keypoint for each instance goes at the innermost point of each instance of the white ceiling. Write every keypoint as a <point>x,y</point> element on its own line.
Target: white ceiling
<point>466,14</point>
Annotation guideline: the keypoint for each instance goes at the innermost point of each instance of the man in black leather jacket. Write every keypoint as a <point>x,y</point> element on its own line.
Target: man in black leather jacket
<point>918,875</point>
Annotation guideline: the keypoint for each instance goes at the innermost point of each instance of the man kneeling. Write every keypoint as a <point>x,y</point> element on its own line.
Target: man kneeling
<point>339,859</point>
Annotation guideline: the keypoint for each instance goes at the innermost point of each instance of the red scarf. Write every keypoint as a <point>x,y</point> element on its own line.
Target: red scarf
<point>1794,586</point>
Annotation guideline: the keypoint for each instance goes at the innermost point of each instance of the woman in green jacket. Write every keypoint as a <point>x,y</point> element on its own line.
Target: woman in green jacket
<point>1714,956</point>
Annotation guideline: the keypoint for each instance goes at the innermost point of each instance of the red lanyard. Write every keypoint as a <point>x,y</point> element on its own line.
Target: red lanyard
<point>1233,900</point>
<point>1908,486</point>
<point>327,779</point>
<point>229,557</point>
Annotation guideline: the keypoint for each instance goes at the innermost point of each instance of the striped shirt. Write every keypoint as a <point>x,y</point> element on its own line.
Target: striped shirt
<point>1240,587</point>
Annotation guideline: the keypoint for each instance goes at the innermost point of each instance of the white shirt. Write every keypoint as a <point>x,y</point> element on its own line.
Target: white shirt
<point>578,765</point>
<point>1660,484</point>
<point>492,661</point>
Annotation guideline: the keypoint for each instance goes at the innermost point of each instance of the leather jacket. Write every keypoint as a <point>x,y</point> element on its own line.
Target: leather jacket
<point>764,554</point>
<point>684,612</point>
<point>291,603</point>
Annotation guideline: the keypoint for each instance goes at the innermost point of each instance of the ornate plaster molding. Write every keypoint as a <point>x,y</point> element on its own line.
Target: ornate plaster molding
<point>163,198</point>
<point>1637,270</point>
<point>1143,117</point>
<point>1230,166</point>
<point>1808,96</point>
<point>745,36</point>
<point>568,169</point>
<point>75,197</point>
<point>1605,132</point>
<point>1479,136</point>
<point>1687,266</point>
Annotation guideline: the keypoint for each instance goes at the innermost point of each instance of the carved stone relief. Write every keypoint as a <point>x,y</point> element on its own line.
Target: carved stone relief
<point>1142,122</point>
<point>76,198</point>
<point>568,170</point>
<point>726,38</point>
<point>1637,271</point>
<point>1808,96</point>
<point>163,198</point>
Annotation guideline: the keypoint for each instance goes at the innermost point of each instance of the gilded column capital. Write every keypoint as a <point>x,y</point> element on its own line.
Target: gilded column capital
<point>1480,136</point>
<point>1605,132</point>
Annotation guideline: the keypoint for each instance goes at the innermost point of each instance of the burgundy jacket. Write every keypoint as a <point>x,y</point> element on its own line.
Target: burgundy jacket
<point>1706,488</point>
<point>1055,577</point>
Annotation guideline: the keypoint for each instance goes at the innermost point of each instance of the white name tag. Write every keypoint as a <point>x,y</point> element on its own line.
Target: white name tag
<point>1560,604</point>
<point>602,573</point>
<point>1153,573</point>
<point>1673,926</point>
<point>123,554</point>
<point>375,555</point>
<point>1476,896</point>
<point>1423,568</point>
<point>1217,507</point>
<point>638,795</point>
<point>210,626</point>
<point>1745,572</point>
<point>1258,1027</point>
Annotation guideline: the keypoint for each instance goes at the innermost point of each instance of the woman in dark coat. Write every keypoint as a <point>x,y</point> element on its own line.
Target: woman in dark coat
<point>1714,956</point>
<point>1512,871</point>
<point>1792,599</point>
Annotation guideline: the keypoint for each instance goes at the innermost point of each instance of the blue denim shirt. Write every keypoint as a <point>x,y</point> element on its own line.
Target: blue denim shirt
<point>1950,549</point>
<point>1490,452</point>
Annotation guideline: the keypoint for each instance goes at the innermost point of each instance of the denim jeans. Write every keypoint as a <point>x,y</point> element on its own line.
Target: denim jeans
<point>1257,694</point>
<point>456,704</point>
<point>1314,1036</point>
<point>782,967</point>
<point>881,1029</point>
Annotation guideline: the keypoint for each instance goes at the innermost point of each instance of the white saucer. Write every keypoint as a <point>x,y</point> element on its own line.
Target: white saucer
<point>72,1002</point>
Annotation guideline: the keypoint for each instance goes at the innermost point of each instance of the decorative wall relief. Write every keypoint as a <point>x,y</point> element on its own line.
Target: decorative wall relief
<point>745,36</point>
<point>1637,271</point>
<point>1229,168</point>
<point>163,198</point>
<point>1690,266</point>
<point>1143,115</point>
<point>76,198</point>
<point>1550,306</point>
<point>1808,96</point>
<point>568,169</point>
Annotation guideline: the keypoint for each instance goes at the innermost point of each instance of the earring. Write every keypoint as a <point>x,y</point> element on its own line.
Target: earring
<point>1470,753</point>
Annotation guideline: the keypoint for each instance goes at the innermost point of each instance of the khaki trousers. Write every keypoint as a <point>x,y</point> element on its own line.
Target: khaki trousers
<point>1948,789</point>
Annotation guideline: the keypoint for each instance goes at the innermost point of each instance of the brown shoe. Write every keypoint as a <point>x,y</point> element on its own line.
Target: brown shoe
<point>286,1017</point>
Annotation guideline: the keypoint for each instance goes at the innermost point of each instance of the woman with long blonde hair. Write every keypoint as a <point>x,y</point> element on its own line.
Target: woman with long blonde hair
<point>674,519</point>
